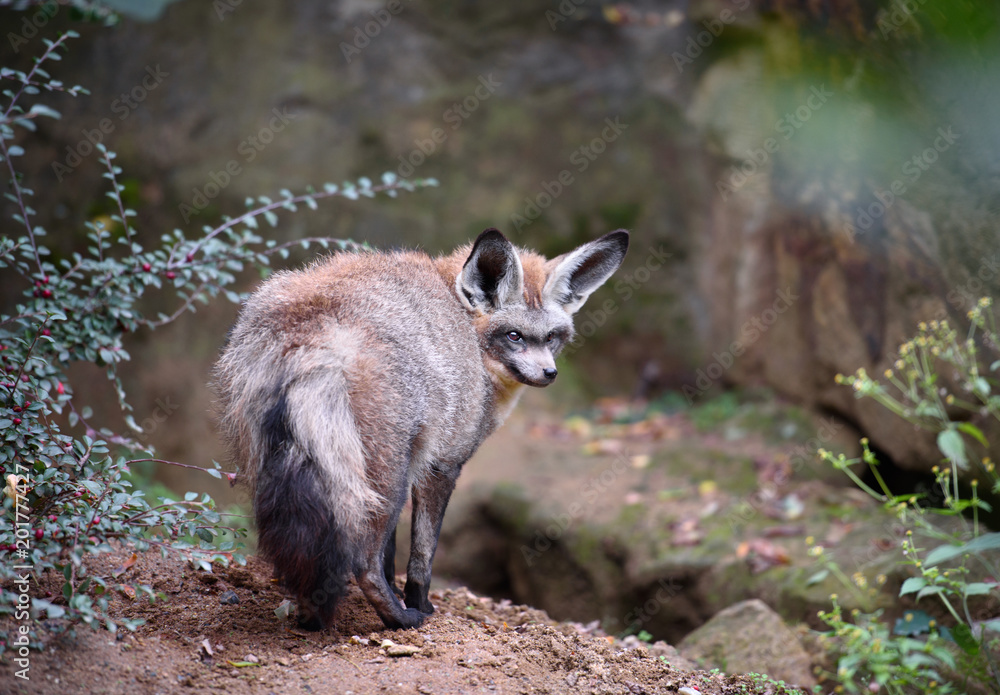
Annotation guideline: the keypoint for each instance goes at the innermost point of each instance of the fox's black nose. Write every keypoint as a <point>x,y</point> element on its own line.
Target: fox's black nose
<point>550,373</point>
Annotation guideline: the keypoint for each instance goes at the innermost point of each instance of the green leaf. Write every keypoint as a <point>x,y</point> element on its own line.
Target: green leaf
<point>974,432</point>
<point>964,638</point>
<point>818,577</point>
<point>929,591</point>
<point>911,585</point>
<point>979,588</point>
<point>53,611</point>
<point>987,541</point>
<point>953,447</point>
<point>912,623</point>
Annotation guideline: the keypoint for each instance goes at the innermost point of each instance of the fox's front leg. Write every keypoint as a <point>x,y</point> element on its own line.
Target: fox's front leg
<point>389,564</point>
<point>430,497</point>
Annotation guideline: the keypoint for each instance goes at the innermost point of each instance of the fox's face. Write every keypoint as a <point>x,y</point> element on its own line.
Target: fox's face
<point>524,304</point>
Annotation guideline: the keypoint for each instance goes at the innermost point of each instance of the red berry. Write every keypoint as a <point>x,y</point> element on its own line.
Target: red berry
<point>45,279</point>
<point>39,534</point>
<point>171,275</point>
<point>60,388</point>
<point>53,518</point>
<point>16,408</point>
<point>147,267</point>
<point>17,421</point>
<point>47,293</point>
<point>46,331</point>
<point>96,520</point>
<point>189,257</point>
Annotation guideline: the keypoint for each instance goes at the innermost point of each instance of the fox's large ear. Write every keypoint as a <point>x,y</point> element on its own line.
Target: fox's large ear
<point>575,275</point>
<point>492,276</point>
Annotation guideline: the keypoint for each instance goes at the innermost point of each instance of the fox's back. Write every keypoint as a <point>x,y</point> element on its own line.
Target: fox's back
<point>391,325</point>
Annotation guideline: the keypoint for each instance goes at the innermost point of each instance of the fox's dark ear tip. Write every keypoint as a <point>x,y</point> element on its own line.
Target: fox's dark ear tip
<point>490,234</point>
<point>621,236</point>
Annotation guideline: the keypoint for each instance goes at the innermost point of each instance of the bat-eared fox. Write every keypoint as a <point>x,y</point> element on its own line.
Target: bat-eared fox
<point>365,377</point>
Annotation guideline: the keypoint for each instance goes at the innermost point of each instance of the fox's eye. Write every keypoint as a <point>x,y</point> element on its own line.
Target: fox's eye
<point>514,337</point>
<point>550,337</point>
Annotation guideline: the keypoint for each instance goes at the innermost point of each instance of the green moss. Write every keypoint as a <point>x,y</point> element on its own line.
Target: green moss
<point>510,506</point>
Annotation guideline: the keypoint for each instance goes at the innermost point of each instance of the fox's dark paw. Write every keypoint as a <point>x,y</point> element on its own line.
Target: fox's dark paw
<point>416,597</point>
<point>410,617</point>
<point>311,623</point>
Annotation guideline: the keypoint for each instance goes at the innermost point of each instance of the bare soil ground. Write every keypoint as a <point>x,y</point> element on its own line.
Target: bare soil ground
<point>197,643</point>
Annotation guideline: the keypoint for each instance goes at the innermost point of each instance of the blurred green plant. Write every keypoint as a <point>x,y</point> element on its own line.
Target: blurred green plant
<point>939,384</point>
<point>67,489</point>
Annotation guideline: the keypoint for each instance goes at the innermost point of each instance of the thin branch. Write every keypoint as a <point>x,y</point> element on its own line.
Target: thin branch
<point>396,185</point>
<point>118,197</point>
<point>183,307</point>
<point>27,357</point>
<point>20,202</point>
<point>231,476</point>
<point>31,73</point>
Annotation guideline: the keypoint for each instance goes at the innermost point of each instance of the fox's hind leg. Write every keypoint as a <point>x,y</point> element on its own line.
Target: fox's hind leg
<point>372,575</point>
<point>430,498</point>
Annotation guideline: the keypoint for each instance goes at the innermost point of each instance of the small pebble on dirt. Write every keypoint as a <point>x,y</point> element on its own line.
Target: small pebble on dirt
<point>397,650</point>
<point>229,598</point>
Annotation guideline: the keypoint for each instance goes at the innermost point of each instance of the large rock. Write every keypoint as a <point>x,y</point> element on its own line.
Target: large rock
<point>749,637</point>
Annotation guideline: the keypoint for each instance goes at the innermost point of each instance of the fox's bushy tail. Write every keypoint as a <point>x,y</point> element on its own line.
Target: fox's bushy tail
<point>293,432</point>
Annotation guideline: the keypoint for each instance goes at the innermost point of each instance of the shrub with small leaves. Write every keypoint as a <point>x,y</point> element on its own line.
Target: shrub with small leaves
<point>66,489</point>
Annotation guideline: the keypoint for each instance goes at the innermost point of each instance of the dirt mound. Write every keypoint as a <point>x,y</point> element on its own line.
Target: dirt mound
<point>201,640</point>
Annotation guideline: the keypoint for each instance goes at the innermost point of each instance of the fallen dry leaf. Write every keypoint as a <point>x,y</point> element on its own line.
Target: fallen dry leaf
<point>761,554</point>
<point>126,565</point>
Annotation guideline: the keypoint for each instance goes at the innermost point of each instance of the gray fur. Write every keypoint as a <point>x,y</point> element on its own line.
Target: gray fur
<point>365,378</point>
